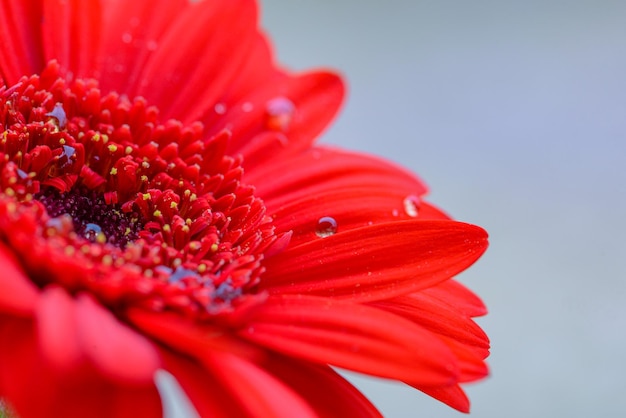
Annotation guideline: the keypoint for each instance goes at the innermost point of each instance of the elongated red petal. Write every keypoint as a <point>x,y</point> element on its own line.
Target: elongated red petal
<point>351,336</point>
<point>18,295</point>
<point>198,56</point>
<point>354,189</point>
<point>113,347</point>
<point>70,34</point>
<point>132,31</point>
<point>20,49</point>
<point>25,376</point>
<point>57,330</point>
<point>256,390</point>
<point>452,396</point>
<point>376,262</point>
<point>457,295</point>
<point>325,390</point>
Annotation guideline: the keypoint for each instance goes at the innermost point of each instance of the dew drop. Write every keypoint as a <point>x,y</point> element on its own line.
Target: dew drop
<point>247,107</point>
<point>182,273</point>
<point>127,38</point>
<point>93,232</point>
<point>220,108</point>
<point>395,213</point>
<point>412,205</point>
<point>326,227</point>
<point>58,113</point>
<point>279,114</point>
<point>152,45</point>
<point>62,225</point>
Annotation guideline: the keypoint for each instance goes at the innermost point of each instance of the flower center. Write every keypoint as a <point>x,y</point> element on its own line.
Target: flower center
<point>122,205</point>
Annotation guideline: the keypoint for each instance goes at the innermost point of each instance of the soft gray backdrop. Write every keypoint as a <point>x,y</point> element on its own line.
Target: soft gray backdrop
<point>515,114</point>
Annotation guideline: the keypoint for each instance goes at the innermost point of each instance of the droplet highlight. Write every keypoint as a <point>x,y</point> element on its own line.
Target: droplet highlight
<point>279,114</point>
<point>93,232</point>
<point>326,227</point>
<point>412,205</point>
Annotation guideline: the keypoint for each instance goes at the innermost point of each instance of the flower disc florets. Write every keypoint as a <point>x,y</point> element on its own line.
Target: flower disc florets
<point>120,205</point>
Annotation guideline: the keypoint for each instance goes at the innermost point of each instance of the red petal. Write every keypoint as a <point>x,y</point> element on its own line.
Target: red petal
<point>376,262</point>
<point>19,295</point>
<point>260,393</point>
<point>356,190</point>
<point>34,389</point>
<point>198,56</point>
<point>439,317</point>
<point>351,336</point>
<point>114,348</point>
<point>457,295</point>
<point>70,33</point>
<point>57,329</point>
<point>316,99</point>
<point>20,36</point>
<point>452,396</point>
<point>324,389</point>
<point>132,31</point>
<point>208,396</point>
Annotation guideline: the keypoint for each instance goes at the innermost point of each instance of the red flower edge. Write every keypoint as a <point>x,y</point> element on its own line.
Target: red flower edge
<point>340,262</point>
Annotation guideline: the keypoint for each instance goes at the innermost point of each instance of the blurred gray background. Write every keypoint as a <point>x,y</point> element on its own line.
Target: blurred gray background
<point>514,112</point>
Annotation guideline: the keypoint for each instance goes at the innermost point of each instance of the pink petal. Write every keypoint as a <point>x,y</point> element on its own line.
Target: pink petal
<point>351,336</point>
<point>114,348</point>
<point>19,296</point>
<point>376,262</point>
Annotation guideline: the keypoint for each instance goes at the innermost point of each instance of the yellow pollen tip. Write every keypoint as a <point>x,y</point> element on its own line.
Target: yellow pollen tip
<point>112,147</point>
<point>69,250</point>
<point>146,196</point>
<point>113,171</point>
<point>166,228</point>
<point>145,164</point>
<point>144,178</point>
<point>107,260</point>
<point>214,247</point>
<point>173,205</point>
<point>128,150</point>
<point>101,238</point>
<point>96,138</point>
<point>201,268</point>
<point>157,213</point>
<point>62,141</point>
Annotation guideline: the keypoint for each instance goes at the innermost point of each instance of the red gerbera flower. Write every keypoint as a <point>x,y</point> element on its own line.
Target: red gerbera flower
<point>162,206</point>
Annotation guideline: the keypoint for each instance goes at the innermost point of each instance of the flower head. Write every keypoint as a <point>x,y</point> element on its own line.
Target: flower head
<point>163,206</point>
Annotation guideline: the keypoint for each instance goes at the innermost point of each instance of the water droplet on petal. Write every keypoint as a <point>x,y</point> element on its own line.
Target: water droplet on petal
<point>62,225</point>
<point>395,213</point>
<point>127,38</point>
<point>220,108</point>
<point>411,205</point>
<point>279,114</point>
<point>326,227</point>
<point>247,107</point>
<point>93,232</point>
<point>58,113</point>
<point>152,45</point>
<point>182,273</point>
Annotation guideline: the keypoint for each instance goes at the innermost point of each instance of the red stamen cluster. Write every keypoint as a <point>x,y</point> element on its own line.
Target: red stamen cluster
<point>124,206</point>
